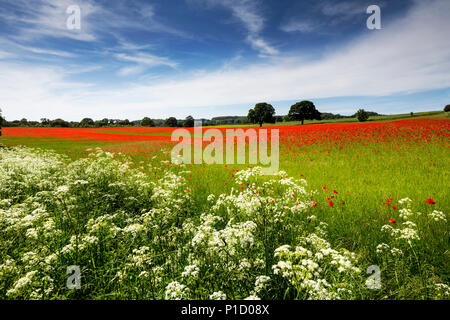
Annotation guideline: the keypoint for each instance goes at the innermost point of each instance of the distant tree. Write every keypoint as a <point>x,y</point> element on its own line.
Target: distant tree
<point>304,110</point>
<point>59,123</point>
<point>362,115</point>
<point>87,122</point>
<point>171,122</point>
<point>147,122</point>
<point>45,121</point>
<point>447,108</point>
<point>188,122</point>
<point>103,123</point>
<point>263,112</point>
<point>24,122</point>
<point>412,114</point>
<point>279,118</point>
<point>125,122</point>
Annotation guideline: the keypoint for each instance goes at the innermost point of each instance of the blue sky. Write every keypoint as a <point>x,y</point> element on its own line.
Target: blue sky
<point>135,58</point>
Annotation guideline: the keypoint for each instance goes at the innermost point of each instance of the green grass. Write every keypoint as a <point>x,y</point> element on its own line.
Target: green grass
<point>365,173</point>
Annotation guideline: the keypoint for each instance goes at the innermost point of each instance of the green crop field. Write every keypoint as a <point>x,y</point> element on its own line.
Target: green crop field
<point>349,198</point>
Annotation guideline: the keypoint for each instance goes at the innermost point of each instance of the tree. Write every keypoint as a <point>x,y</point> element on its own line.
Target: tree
<point>362,115</point>
<point>147,122</point>
<point>59,123</point>
<point>304,110</point>
<point>263,112</point>
<point>103,123</point>
<point>125,122</point>
<point>87,122</point>
<point>45,121</point>
<point>447,108</point>
<point>189,122</point>
<point>171,122</point>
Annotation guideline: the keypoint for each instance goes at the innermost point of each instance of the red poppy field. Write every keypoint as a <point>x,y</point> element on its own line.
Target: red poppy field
<point>380,188</point>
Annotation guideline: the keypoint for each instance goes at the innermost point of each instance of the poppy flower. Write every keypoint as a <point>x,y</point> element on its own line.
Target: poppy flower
<point>430,201</point>
<point>391,220</point>
<point>324,188</point>
<point>343,202</point>
<point>314,204</point>
<point>331,203</point>
<point>394,207</point>
<point>334,191</point>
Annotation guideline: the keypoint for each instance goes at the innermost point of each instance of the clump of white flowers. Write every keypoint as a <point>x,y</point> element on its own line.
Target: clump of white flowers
<point>136,231</point>
<point>307,268</point>
<point>176,291</point>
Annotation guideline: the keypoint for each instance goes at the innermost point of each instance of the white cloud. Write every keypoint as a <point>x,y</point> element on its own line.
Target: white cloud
<point>48,18</point>
<point>58,53</point>
<point>5,55</point>
<point>142,62</point>
<point>409,55</point>
<point>343,8</point>
<point>298,26</point>
<point>248,13</point>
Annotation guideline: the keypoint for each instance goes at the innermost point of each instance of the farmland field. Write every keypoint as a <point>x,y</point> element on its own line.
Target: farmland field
<point>348,197</point>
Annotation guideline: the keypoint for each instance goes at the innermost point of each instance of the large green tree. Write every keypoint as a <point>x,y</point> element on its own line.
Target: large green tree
<point>171,122</point>
<point>362,115</point>
<point>304,110</point>
<point>189,122</point>
<point>262,112</point>
<point>147,122</point>
<point>87,122</point>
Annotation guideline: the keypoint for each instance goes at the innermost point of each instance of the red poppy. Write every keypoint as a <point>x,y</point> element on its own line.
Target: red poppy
<point>394,207</point>
<point>324,188</point>
<point>391,220</point>
<point>314,204</point>
<point>331,203</point>
<point>334,191</point>
<point>430,201</point>
<point>343,202</point>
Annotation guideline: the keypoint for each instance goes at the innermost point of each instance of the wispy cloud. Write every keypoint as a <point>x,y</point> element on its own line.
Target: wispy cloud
<point>299,26</point>
<point>48,18</point>
<point>247,12</point>
<point>327,14</point>
<point>142,62</point>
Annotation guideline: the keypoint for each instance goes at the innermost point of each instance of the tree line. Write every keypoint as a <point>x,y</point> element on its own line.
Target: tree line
<point>261,113</point>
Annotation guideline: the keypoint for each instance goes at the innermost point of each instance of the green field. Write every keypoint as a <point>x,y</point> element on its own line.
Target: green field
<point>150,232</point>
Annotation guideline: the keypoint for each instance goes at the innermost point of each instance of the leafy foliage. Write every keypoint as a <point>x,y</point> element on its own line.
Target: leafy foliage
<point>147,122</point>
<point>262,112</point>
<point>171,122</point>
<point>362,115</point>
<point>304,110</point>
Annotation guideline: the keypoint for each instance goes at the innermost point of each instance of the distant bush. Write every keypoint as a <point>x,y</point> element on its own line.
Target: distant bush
<point>171,122</point>
<point>362,115</point>
<point>189,122</point>
<point>147,122</point>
